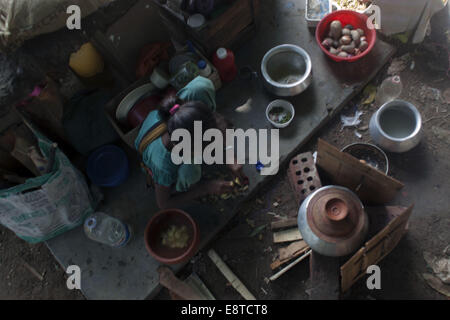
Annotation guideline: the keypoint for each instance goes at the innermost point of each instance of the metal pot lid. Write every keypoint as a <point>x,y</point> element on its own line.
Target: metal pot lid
<point>335,214</point>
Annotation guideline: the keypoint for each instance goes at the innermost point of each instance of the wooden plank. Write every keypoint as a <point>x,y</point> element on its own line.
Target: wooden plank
<point>376,248</point>
<point>168,279</point>
<point>278,263</point>
<point>289,251</point>
<point>287,235</point>
<point>230,276</point>
<point>290,266</point>
<point>370,184</point>
<point>286,223</point>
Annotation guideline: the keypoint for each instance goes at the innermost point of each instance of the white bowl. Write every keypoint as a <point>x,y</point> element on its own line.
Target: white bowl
<point>130,100</point>
<point>284,104</point>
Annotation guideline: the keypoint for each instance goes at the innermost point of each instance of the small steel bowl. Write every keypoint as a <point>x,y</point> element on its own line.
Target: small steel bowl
<point>370,154</point>
<point>287,70</point>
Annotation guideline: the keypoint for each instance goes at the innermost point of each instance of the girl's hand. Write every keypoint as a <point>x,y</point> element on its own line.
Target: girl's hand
<point>218,187</point>
<point>236,170</point>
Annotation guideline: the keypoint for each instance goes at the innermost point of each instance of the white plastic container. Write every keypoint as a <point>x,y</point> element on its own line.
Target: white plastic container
<point>313,19</point>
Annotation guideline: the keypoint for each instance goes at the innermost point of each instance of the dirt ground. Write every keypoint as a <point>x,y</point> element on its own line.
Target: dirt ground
<point>424,170</point>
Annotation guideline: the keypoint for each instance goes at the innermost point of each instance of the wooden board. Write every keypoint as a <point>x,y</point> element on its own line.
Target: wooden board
<point>291,250</point>
<point>286,223</point>
<point>370,184</point>
<point>377,247</point>
<point>287,235</point>
<point>289,253</point>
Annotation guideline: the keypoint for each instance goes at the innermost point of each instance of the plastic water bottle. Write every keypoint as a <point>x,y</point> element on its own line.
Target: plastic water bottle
<point>390,89</point>
<point>107,230</point>
<point>205,69</point>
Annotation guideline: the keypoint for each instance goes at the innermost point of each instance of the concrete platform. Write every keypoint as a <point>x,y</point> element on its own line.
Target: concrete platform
<point>130,273</point>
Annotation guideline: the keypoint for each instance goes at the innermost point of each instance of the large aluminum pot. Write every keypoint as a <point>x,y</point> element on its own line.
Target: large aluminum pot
<point>287,70</point>
<point>333,222</point>
<point>396,126</point>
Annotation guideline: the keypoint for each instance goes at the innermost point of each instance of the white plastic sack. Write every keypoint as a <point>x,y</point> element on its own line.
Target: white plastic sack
<point>21,20</point>
<point>49,205</point>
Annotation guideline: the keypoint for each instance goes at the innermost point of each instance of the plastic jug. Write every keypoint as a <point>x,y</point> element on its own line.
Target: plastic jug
<point>224,61</point>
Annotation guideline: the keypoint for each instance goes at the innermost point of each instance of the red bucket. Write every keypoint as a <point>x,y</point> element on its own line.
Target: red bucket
<point>357,20</point>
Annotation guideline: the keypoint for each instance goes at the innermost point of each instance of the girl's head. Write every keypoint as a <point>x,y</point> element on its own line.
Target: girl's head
<point>184,116</point>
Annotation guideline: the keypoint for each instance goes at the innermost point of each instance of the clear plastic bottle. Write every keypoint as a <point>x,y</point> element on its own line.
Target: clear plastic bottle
<point>390,89</point>
<point>205,69</point>
<point>188,72</point>
<point>107,230</point>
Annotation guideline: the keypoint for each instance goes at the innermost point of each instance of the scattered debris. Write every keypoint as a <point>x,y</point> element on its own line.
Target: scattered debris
<point>446,96</point>
<point>264,291</point>
<point>429,93</point>
<point>258,230</point>
<point>276,204</point>
<point>268,249</point>
<point>290,251</point>
<point>286,223</point>
<point>399,64</point>
<point>440,266</point>
<point>441,133</point>
<point>364,128</point>
<point>250,222</point>
<point>370,92</point>
<point>351,121</point>
<point>294,250</point>
<point>33,271</point>
<point>358,135</point>
<point>436,284</point>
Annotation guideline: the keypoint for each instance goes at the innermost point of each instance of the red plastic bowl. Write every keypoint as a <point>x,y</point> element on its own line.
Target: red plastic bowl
<point>140,111</point>
<point>357,20</point>
<point>159,224</point>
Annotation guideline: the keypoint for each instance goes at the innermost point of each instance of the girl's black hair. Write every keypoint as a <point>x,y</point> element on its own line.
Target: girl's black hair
<point>186,115</point>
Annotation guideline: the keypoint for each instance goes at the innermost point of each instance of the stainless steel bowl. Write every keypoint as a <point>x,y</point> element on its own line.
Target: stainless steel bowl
<point>396,126</point>
<point>287,70</point>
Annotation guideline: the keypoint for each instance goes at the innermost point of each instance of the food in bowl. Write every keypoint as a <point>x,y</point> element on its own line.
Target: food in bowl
<point>280,115</point>
<point>345,41</point>
<point>357,5</point>
<point>176,237</point>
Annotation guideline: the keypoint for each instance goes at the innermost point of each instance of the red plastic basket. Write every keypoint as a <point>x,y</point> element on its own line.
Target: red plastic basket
<point>357,20</point>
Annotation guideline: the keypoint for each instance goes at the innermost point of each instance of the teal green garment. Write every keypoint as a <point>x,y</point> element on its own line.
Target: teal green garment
<point>158,159</point>
<point>199,89</point>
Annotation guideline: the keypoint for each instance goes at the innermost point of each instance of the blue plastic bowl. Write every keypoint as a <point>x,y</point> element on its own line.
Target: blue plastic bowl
<point>108,166</point>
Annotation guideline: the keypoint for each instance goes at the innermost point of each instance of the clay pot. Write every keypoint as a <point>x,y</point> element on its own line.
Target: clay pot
<point>159,224</point>
<point>333,222</point>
